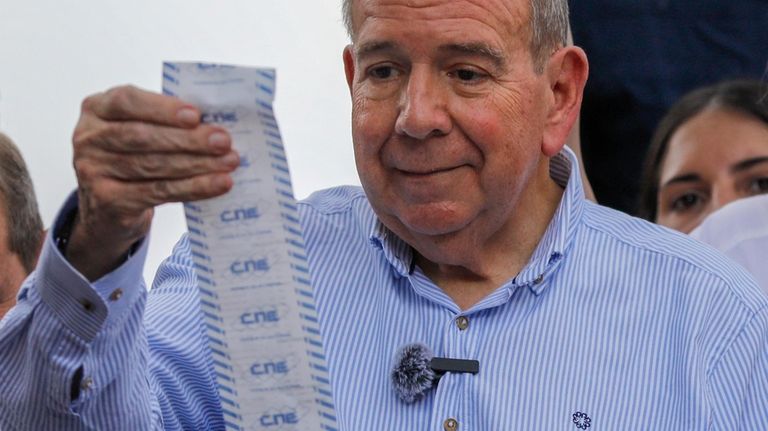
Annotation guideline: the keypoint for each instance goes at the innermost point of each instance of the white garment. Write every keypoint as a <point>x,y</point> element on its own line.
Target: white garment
<point>740,231</point>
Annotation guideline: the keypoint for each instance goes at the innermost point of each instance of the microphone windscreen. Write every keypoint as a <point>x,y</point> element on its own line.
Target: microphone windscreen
<point>412,376</point>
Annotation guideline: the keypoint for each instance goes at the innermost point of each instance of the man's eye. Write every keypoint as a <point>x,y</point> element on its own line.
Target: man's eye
<point>382,72</point>
<point>468,75</point>
<point>686,202</point>
<point>758,186</point>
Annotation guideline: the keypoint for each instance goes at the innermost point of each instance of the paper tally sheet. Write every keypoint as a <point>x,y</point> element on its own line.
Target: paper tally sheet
<point>252,270</point>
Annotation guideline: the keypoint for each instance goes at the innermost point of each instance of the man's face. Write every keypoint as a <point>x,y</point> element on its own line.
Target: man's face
<point>12,272</point>
<point>447,113</point>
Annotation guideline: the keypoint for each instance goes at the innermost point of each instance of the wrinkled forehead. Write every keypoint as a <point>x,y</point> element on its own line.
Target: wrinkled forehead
<point>507,18</point>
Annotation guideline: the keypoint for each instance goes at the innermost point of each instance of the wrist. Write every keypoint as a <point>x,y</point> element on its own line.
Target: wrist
<point>92,256</point>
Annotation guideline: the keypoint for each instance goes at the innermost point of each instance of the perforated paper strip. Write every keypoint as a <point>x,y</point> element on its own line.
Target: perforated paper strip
<point>248,251</point>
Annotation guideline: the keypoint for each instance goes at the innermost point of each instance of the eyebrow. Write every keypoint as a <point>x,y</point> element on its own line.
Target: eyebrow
<point>476,49</point>
<point>747,164</point>
<point>738,167</point>
<point>370,48</point>
<point>685,178</point>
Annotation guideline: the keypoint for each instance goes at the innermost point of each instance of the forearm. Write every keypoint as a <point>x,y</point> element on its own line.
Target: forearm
<point>71,351</point>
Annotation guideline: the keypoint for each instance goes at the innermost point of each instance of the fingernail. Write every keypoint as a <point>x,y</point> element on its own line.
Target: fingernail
<point>219,141</point>
<point>231,159</point>
<point>188,116</point>
<point>222,182</point>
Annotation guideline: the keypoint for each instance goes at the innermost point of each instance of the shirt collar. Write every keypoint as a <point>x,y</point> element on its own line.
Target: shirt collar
<point>552,249</point>
<point>397,252</point>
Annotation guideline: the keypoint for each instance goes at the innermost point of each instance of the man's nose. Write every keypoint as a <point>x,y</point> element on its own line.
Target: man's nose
<point>423,106</point>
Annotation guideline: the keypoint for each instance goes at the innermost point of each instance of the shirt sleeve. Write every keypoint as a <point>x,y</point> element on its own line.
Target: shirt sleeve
<point>739,381</point>
<point>76,355</point>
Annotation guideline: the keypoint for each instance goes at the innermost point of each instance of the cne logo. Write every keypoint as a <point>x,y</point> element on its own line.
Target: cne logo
<point>239,267</point>
<point>259,317</point>
<point>277,419</point>
<point>238,214</point>
<point>269,368</point>
<point>219,117</point>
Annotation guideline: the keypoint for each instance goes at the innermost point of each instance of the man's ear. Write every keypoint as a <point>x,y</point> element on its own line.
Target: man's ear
<point>567,71</point>
<point>349,66</point>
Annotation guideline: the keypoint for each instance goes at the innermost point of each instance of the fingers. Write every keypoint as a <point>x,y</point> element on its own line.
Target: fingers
<point>128,119</point>
<point>131,103</point>
<point>156,166</point>
<point>140,137</point>
<point>133,136</point>
<point>137,197</point>
<point>134,150</point>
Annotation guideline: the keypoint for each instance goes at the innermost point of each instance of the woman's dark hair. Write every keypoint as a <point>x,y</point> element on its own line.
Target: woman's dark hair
<point>744,96</point>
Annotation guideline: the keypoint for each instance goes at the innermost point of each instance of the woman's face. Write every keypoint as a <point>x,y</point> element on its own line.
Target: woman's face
<point>714,158</point>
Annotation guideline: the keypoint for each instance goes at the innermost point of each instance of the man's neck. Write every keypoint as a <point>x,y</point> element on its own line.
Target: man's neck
<point>492,263</point>
<point>12,275</point>
<point>6,305</point>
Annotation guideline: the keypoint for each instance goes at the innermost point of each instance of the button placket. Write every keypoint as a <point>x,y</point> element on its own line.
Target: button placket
<point>458,342</point>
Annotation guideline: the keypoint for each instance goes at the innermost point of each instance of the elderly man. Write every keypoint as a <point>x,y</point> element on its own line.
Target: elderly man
<point>21,229</point>
<point>471,235</point>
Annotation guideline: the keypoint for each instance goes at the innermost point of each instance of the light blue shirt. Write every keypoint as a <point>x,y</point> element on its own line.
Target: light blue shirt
<point>613,324</point>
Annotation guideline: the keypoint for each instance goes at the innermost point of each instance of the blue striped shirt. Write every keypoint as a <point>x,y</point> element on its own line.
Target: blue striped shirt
<point>613,324</point>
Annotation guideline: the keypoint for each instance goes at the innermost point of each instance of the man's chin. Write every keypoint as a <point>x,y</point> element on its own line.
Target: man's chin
<point>438,222</point>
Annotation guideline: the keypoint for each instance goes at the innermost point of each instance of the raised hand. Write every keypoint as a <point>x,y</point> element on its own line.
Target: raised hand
<point>134,150</point>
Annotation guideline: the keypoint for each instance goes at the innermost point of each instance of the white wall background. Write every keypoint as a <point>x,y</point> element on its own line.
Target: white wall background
<point>53,53</point>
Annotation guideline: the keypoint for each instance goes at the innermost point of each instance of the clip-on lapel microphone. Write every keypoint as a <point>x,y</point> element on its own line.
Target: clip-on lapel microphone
<point>416,370</point>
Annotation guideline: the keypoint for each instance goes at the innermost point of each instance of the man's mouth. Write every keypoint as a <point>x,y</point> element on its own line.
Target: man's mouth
<point>426,172</point>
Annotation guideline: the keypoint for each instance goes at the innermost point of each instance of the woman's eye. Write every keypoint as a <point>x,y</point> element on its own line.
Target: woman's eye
<point>758,186</point>
<point>686,202</point>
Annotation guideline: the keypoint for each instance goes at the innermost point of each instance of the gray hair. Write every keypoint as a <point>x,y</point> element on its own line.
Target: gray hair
<point>549,27</point>
<point>23,217</point>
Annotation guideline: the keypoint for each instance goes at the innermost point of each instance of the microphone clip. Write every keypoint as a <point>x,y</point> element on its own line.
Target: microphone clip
<point>416,371</point>
<point>448,365</point>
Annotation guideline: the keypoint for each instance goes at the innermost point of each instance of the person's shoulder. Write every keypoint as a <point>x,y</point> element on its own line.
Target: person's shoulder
<point>335,200</point>
<point>327,213</point>
<point>684,258</point>
<point>648,237</point>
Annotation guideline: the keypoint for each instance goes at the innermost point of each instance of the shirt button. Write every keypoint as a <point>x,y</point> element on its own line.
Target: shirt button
<point>450,424</point>
<point>539,279</point>
<point>462,322</point>
<point>87,305</point>
<point>116,294</point>
<point>86,384</point>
